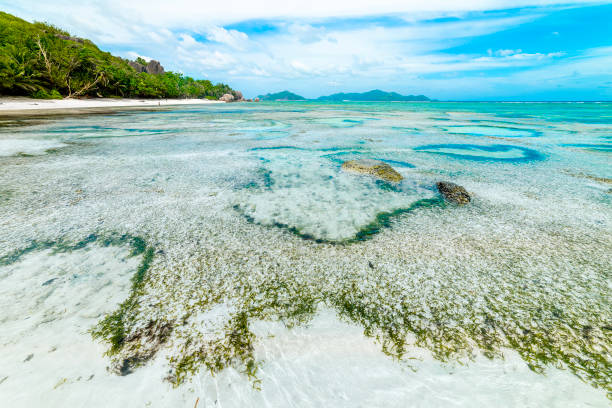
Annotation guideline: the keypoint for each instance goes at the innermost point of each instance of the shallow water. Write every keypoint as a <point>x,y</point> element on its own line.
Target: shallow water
<point>228,239</point>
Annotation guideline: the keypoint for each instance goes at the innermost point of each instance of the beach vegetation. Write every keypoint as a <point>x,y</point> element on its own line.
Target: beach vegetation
<point>42,61</point>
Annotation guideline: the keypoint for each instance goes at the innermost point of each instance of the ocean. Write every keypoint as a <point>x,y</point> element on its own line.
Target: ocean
<point>220,256</point>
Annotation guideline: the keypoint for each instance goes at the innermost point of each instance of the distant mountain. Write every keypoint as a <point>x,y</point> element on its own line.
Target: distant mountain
<point>375,95</point>
<point>281,96</point>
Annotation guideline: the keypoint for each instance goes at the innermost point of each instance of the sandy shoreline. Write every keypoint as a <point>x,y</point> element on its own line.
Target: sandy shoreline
<point>16,106</point>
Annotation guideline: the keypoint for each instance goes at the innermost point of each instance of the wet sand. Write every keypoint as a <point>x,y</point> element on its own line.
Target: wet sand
<point>20,106</point>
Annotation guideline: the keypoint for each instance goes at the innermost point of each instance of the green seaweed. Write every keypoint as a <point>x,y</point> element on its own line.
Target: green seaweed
<point>381,221</point>
<point>112,328</point>
<point>545,331</point>
<point>264,180</point>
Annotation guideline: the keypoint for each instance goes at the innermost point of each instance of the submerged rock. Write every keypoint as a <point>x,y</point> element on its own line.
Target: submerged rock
<point>374,168</point>
<point>453,192</point>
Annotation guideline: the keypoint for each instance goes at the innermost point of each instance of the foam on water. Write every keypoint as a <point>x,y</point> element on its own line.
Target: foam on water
<point>515,285</point>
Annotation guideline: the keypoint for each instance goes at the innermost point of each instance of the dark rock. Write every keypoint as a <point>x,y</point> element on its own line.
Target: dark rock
<point>154,68</point>
<point>68,38</point>
<point>140,346</point>
<point>374,168</point>
<point>50,281</point>
<point>238,96</point>
<point>123,367</point>
<point>138,67</point>
<point>453,192</point>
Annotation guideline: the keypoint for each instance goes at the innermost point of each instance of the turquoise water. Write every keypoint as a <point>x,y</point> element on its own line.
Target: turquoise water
<point>250,219</point>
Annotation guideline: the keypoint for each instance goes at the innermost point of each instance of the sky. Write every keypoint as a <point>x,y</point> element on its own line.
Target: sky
<point>445,49</point>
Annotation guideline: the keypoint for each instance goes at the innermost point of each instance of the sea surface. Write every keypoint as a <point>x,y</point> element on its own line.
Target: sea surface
<point>218,256</point>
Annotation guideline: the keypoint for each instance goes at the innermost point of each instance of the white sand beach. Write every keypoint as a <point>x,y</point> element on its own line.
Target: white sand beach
<point>19,106</point>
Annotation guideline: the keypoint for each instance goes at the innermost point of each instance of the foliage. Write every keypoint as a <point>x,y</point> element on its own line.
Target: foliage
<point>282,96</point>
<point>42,61</point>
<point>374,95</point>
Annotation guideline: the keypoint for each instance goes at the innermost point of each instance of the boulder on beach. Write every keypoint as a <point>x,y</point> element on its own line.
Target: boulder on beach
<point>374,168</point>
<point>453,192</point>
<point>227,98</point>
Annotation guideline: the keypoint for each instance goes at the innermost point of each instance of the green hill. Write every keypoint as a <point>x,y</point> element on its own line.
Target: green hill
<point>375,95</point>
<point>43,61</point>
<point>281,96</point>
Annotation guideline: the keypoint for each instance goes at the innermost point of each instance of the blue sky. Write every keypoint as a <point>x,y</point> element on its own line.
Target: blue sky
<point>448,50</point>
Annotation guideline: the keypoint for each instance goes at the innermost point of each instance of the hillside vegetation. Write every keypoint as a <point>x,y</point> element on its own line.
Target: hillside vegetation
<point>43,61</point>
<point>281,96</point>
<point>374,95</point>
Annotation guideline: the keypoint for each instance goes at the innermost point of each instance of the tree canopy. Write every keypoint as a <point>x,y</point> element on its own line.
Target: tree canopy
<point>43,61</point>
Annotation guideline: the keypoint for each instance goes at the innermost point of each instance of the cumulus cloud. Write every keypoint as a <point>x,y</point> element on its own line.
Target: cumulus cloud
<point>317,42</point>
<point>518,54</point>
<point>181,12</point>
<point>232,38</point>
<point>134,55</point>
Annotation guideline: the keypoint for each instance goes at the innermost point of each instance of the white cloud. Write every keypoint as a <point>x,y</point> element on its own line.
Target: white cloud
<point>181,12</point>
<point>233,38</point>
<point>133,55</point>
<point>187,41</point>
<point>189,36</point>
<point>505,53</point>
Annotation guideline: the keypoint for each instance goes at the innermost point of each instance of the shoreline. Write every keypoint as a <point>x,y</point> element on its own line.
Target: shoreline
<point>22,106</point>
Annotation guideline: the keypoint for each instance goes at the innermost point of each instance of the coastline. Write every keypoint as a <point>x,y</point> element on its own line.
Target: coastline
<point>22,106</point>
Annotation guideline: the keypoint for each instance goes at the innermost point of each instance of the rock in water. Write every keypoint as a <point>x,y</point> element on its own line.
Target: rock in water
<point>227,98</point>
<point>374,168</point>
<point>453,192</point>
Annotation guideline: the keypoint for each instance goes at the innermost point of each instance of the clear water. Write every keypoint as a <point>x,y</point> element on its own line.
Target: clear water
<point>352,290</point>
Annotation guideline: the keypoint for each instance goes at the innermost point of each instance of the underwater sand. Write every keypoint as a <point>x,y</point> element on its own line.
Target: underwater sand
<point>244,268</point>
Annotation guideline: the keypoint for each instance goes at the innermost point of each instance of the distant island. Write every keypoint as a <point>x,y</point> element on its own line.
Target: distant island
<point>39,60</point>
<point>42,61</point>
<point>281,96</point>
<point>373,96</point>
<point>370,96</point>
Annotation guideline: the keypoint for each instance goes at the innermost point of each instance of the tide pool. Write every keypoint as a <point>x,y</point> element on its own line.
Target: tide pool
<point>221,254</point>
